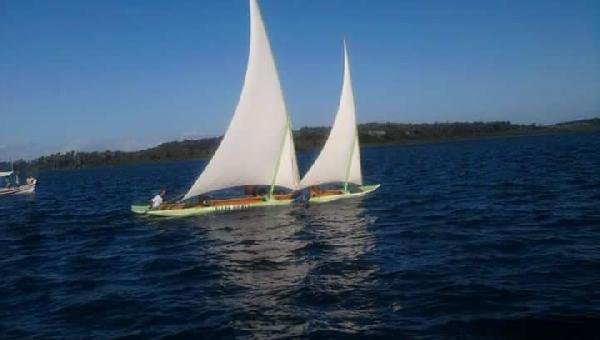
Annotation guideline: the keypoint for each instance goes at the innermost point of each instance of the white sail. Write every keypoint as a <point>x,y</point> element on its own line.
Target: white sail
<point>257,148</point>
<point>339,160</point>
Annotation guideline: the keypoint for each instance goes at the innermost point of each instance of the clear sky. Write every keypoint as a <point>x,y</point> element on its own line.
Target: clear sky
<point>129,74</point>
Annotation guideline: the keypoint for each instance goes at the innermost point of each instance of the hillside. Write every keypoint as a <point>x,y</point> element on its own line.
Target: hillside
<point>307,138</point>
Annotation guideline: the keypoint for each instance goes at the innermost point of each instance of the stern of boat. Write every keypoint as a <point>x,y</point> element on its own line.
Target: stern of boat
<point>140,209</point>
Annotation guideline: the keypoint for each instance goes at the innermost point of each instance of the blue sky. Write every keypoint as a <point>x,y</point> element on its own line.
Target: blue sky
<point>129,74</point>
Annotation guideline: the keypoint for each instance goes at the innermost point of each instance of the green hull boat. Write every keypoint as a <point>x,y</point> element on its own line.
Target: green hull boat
<point>329,198</point>
<point>203,210</point>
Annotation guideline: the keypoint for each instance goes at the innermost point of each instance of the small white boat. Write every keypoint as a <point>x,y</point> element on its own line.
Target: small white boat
<point>8,176</point>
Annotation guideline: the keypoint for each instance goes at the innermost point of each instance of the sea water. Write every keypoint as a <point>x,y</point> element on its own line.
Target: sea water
<point>495,237</point>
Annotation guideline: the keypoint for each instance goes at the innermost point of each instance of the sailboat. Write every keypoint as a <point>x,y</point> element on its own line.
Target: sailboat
<point>257,148</point>
<point>339,160</point>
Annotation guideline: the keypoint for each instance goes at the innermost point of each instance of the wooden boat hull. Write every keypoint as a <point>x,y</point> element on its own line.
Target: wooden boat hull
<point>222,207</point>
<point>203,210</point>
<point>329,198</point>
<point>23,189</point>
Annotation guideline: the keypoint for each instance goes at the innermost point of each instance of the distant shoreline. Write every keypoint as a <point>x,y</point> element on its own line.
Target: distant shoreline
<point>480,137</point>
<point>308,139</point>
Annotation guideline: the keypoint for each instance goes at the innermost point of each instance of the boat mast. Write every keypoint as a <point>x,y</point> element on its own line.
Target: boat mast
<point>351,158</point>
<point>285,135</point>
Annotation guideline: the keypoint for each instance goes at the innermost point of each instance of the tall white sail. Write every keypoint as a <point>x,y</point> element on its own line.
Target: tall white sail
<point>257,148</point>
<point>339,160</point>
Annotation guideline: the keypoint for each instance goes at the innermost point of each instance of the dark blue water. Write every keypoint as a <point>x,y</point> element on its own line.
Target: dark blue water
<point>489,238</point>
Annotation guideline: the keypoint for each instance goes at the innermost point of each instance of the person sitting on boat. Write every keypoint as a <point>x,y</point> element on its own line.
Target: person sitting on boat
<point>315,191</point>
<point>157,201</point>
<point>30,181</point>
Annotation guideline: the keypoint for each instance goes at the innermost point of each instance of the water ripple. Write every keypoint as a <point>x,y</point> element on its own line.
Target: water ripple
<point>490,238</point>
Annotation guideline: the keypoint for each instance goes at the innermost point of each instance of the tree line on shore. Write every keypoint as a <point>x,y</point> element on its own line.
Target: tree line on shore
<point>307,138</point>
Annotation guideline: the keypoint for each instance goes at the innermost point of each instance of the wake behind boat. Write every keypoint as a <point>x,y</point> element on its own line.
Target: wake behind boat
<point>257,148</point>
<point>339,160</point>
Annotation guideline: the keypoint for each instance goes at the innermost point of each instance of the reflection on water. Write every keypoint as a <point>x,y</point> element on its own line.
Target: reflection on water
<point>341,277</point>
<point>280,257</point>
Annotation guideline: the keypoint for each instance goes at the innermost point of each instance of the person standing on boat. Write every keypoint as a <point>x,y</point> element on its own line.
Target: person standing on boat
<point>157,201</point>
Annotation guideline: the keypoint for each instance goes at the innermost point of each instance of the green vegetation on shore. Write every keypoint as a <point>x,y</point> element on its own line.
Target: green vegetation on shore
<point>307,138</point>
